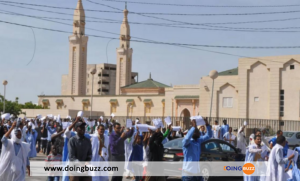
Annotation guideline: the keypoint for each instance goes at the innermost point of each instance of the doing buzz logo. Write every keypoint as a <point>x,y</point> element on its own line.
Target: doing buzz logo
<point>248,168</point>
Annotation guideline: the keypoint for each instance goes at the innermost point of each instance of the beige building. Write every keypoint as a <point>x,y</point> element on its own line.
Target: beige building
<point>107,80</point>
<point>104,79</point>
<point>259,88</point>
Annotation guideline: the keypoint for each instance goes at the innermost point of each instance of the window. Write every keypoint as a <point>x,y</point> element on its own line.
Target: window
<point>281,108</point>
<point>113,108</point>
<point>292,67</point>
<point>148,109</point>
<point>87,82</point>
<point>298,135</point>
<point>256,99</point>
<point>87,91</point>
<point>88,75</point>
<point>211,146</point>
<point>59,106</point>
<point>227,102</point>
<point>226,148</point>
<point>85,107</point>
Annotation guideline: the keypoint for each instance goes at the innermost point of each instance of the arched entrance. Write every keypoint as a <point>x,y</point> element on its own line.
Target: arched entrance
<point>185,117</point>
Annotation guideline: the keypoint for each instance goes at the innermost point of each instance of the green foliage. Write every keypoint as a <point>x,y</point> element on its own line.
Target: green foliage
<point>13,107</point>
<point>30,105</point>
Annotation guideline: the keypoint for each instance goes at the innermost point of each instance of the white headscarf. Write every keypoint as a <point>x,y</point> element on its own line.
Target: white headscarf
<point>14,136</point>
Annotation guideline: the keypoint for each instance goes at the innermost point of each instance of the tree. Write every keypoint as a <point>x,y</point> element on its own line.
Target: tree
<point>30,105</point>
<point>11,107</point>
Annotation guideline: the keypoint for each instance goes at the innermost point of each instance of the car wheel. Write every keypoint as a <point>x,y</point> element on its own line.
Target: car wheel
<point>205,173</point>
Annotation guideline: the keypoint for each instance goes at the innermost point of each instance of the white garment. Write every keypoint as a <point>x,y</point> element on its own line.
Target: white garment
<point>128,150</point>
<point>13,167</point>
<point>276,164</point>
<point>97,158</point>
<point>241,141</point>
<point>216,130</point>
<point>251,139</point>
<point>145,155</point>
<point>229,136</point>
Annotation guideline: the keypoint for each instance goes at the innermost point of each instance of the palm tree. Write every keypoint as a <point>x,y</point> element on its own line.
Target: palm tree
<point>17,99</point>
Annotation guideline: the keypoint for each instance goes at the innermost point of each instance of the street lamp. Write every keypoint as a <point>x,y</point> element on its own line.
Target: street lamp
<point>101,80</point>
<point>213,75</point>
<point>93,72</point>
<point>4,83</point>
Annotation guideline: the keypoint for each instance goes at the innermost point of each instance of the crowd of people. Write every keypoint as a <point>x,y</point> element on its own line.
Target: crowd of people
<point>105,140</point>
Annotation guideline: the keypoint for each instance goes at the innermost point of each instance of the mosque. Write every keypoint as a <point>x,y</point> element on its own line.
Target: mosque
<point>259,88</point>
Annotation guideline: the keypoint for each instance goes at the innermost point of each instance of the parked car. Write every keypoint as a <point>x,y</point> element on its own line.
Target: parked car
<point>292,137</point>
<point>211,150</point>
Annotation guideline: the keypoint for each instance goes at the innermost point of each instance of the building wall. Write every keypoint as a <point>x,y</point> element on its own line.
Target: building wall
<point>291,85</point>
<point>227,91</point>
<point>223,86</point>
<point>64,84</point>
<point>31,113</point>
<point>259,89</point>
<point>260,78</point>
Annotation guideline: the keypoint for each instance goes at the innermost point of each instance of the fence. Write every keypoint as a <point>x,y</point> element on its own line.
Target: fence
<point>271,125</point>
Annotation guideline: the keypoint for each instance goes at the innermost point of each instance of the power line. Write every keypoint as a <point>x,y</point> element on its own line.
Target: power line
<point>166,43</point>
<point>204,6</point>
<point>194,48</point>
<point>229,29</point>
<point>223,53</point>
<point>226,28</point>
<point>153,24</point>
<point>161,14</point>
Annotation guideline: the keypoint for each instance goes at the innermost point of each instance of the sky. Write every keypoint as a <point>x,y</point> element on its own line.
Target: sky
<point>167,64</point>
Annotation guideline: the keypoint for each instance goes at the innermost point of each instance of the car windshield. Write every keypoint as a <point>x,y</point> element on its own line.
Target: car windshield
<point>288,134</point>
<point>177,143</point>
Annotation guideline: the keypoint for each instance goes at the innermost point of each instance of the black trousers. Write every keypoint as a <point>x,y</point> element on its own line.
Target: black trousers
<point>117,158</point>
<point>38,142</point>
<point>44,146</point>
<point>48,147</point>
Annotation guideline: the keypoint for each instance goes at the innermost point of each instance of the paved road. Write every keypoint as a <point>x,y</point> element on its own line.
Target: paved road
<point>42,157</point>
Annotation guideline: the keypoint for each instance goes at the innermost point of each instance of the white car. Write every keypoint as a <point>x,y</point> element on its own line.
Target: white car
<point>292,137</point>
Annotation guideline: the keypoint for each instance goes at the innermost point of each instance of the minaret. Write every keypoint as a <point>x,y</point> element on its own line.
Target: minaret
<point>78,54</point>
<point>124,56</point>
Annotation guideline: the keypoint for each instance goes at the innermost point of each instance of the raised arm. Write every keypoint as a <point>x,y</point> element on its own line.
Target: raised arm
<point>73,124</point>
<point>186,140</point>
<point>166,134</point>
<point>57,135</point>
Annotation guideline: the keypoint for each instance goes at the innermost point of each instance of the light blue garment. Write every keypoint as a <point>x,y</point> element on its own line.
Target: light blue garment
<point>224,129</point>
<point>249,158</point>
<point>296,173</point>
<point>31,140</point>
<point>192,150</point>
<point>165,140</point>
<point>50,132</point>
<point>17,148</point>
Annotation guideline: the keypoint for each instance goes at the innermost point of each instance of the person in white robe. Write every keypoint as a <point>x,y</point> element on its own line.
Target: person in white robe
<point>31,136</point>
<point>14,156</point>
<point>100,151</point>
<point>216,130</point>
<point>276,163</point>
<point>241,140</point>
<point>128,150</point>
<point>229,137</point>
<point>255,153</point>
